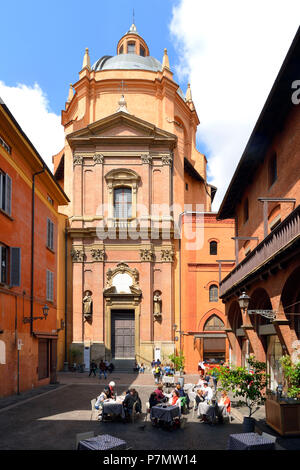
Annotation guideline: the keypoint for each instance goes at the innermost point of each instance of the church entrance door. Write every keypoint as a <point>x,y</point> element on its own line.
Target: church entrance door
<point>122,334</point>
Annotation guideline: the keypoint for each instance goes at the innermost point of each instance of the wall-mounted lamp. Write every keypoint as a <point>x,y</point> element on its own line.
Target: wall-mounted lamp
<point>45,310</point>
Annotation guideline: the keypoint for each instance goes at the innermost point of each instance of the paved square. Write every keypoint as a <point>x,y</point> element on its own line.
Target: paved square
<point>51,421</point>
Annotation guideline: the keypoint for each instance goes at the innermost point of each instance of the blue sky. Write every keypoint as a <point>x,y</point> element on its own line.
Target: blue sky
<point>230,51</point>
<point>45,40</point>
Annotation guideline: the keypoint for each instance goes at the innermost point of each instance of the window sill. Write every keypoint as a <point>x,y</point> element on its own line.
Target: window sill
<point>50,249</point>
<point>6,214</point>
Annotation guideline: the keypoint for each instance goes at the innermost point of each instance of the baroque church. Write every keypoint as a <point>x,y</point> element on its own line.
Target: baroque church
<point>131,169</point>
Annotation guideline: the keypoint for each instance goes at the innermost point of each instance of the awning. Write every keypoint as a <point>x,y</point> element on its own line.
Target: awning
<point>45,335</point>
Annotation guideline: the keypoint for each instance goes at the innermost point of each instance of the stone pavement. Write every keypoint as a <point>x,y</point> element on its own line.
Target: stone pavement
<point>50,417</point>
<point>52,420</point>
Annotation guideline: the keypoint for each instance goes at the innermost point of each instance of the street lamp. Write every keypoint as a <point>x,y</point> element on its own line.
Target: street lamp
<point>244,300</point>
<point>45,310</point>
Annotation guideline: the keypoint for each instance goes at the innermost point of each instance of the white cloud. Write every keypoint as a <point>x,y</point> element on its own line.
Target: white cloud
<point>30,107</point>
<point>231,52</point>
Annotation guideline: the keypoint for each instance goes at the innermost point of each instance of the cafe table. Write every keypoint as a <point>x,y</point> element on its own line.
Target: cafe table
<point>102,442</point>
<point>249,441</point>
<point>168,379</point>
<point>165,412</point>
<point>113,407</point>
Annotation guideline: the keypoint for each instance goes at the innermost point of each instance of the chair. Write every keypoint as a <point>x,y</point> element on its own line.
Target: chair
<point>134,412</point>
<point>147,410</point>
<point>192,397</point>
<point>93,402</point>
<point>81,436</point>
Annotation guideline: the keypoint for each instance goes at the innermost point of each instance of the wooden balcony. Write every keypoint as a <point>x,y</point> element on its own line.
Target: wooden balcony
<point>284,235</point>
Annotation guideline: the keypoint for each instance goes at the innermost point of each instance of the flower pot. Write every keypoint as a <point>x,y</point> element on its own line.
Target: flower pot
<point>248,424</point>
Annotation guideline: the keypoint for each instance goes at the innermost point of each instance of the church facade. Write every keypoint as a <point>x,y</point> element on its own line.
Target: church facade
<point>131,170</point>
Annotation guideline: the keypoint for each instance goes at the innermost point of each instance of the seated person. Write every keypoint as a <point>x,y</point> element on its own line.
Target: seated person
<point>100,400</point>
<point>167,369</point>
<point>153,400</point>
<point>207,393</point>
<point>199,398</point>
<point>110,390</point>
<point>160,395</point>
<point>224,401</point>
<point>200,382</point>
<point>142,368</point>
<point>174,398</point>
<point>130,399</point>
<point>183,394</point>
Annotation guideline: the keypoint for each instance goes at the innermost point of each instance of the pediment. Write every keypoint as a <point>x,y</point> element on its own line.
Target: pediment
<point>121,126</point>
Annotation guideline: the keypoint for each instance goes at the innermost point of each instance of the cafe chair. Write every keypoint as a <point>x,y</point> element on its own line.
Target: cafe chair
<point>134,412</point>
<point>93,409</point>
<point>147,410</point>
<point>82,436</point>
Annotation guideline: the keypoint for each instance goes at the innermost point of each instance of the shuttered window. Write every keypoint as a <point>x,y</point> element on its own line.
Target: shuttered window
<point>15,266</point>
<point>5,192</point>
<point>49,286</point>
<point>50,234</point>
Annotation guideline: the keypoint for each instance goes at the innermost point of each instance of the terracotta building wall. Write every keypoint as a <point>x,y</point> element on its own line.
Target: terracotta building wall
<point>286,144</point>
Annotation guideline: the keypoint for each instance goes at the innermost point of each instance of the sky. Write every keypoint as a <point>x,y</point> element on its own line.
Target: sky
<point>229,50</point>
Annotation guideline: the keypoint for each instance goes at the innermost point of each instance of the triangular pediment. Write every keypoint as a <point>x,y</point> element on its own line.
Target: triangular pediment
<point>121,126</point>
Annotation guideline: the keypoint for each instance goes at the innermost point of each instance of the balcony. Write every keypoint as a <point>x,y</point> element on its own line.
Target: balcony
<point>284,235</point>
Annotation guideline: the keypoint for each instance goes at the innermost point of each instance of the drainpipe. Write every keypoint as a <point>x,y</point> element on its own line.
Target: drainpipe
<point>66,368</point>
<point>32,248</point>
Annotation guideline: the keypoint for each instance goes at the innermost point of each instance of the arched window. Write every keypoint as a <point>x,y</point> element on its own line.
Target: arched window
<point>214,323</point>
<point>272,169</point>
<point>213,293</point>
<point>122,203</point>
<point>213,248</point>
<point>142,51</point>
<point>131,48</point>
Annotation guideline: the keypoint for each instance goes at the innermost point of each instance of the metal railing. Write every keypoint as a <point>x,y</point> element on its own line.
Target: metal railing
<point>281,236</point>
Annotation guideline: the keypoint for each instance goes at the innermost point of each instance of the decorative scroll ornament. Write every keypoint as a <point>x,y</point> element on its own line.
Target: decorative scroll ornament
<point>167,256</point>
<point>146,158</point>
<point>146,255</point>
<point>166,160</point>
<point>122,268</point>
<point>97,254</point>
<point>98,158</point>
<point>77,160</point>
<point>77,256</point>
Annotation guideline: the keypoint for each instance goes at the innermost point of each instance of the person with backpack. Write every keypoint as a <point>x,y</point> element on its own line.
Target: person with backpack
<point>157,373</point>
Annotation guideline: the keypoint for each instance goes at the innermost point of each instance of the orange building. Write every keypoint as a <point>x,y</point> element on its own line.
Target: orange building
<point>264,197</point>
<point>28,253</point>
<point>130,166</point>
<point>203,335</point>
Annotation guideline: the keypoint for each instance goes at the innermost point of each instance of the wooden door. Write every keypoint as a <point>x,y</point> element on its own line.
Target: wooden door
<point>123,335</point>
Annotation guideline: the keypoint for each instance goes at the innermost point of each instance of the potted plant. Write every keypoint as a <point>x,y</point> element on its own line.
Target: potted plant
<point>178,361</point>
<point>249,384</point>
<point>283,409</point>
<point>292,377</point>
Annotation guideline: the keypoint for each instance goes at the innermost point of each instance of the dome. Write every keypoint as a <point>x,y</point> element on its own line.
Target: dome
<point>127,62</point>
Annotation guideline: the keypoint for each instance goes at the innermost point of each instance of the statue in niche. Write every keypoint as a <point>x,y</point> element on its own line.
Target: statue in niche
<point>87,303</point>
<point>157,303</point>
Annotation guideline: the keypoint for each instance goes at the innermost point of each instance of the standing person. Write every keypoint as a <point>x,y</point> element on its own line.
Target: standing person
<point>201,367</point>
<point>130,399</point>
<point>102,369</point>
<point>214,376</point>
<point>93,368</point>
<point>157,373</point>
<point>142,368</point>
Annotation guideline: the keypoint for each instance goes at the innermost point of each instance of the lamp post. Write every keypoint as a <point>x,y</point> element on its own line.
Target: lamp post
<point>30,319</point>
<point>244,300</point>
